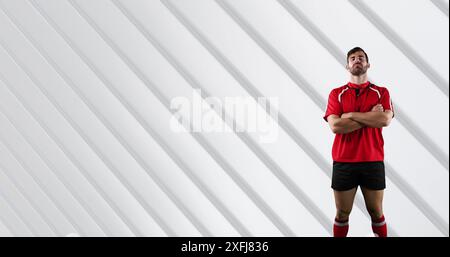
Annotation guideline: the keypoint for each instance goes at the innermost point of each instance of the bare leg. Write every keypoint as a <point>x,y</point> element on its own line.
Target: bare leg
<point>344,203</point>
<point>374,202</point>
<point>374,205</point>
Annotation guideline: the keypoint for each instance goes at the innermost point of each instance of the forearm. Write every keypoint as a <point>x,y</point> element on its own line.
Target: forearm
<point>344,126</point>
<point>371,119</point>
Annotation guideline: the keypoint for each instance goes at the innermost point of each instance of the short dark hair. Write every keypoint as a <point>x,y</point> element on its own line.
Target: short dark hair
<point>357,49</point>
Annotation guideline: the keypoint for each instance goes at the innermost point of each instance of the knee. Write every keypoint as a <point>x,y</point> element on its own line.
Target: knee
<point>343,214</point>
<point>375,212</point>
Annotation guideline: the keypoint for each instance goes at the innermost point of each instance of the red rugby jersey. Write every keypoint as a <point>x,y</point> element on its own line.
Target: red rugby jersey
<point>365,144</point>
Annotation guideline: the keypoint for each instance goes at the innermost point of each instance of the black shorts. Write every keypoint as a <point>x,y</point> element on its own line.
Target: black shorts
<point>348,175</point>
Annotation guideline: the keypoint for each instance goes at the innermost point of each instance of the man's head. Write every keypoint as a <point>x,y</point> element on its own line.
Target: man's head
<point>357,61</point>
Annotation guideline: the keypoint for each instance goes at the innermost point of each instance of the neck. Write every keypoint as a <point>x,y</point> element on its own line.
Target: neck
<point>359,79</point>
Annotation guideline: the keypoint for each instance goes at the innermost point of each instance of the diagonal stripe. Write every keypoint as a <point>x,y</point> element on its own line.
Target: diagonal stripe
<point>178,161</point>
<point>88,142</point>
<point>26,168</point>
<point>418,201</point>
<point>60,145</point>
<point>402,45</point>
<point>267,160</point>
<point>442,5</point>
<point>202,187</point>
<point>190,216</point>
<point>401,116</point>
<point>19,214</point>
<point>21,190</point>
<point>17,226</point>
<point>274,54</point>
<point>232,173</point>
<point>41,188</point>
<point>5,229</point>
<point>401,184</point>
<point>53,169</point>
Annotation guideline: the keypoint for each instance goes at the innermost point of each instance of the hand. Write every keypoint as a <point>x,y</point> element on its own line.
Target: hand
<point>378,108</point>
<point>347,115</point>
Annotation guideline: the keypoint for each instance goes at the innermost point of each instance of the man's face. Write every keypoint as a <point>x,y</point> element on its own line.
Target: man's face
<point>357,64</point>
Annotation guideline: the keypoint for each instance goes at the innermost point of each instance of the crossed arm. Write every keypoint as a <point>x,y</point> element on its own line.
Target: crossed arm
<point>349,122</point>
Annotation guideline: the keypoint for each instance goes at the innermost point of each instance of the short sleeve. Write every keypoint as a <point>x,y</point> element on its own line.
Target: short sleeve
<point>386,101</point>
<point>333,106</point>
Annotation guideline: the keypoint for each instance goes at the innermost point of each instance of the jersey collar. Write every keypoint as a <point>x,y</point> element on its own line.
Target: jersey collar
<point>358,86</point>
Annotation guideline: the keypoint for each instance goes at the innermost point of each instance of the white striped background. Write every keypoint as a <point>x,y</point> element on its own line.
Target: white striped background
<point>85,141</point>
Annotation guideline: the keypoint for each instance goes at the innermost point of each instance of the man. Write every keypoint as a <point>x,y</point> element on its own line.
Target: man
<point>356,113</point>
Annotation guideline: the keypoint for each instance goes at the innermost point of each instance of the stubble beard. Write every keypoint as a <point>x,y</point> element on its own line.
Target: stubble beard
<point>358,71</point>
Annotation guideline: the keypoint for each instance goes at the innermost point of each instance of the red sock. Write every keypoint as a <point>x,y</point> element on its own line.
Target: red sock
<point>340,228</point>
<point>379,227</point>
